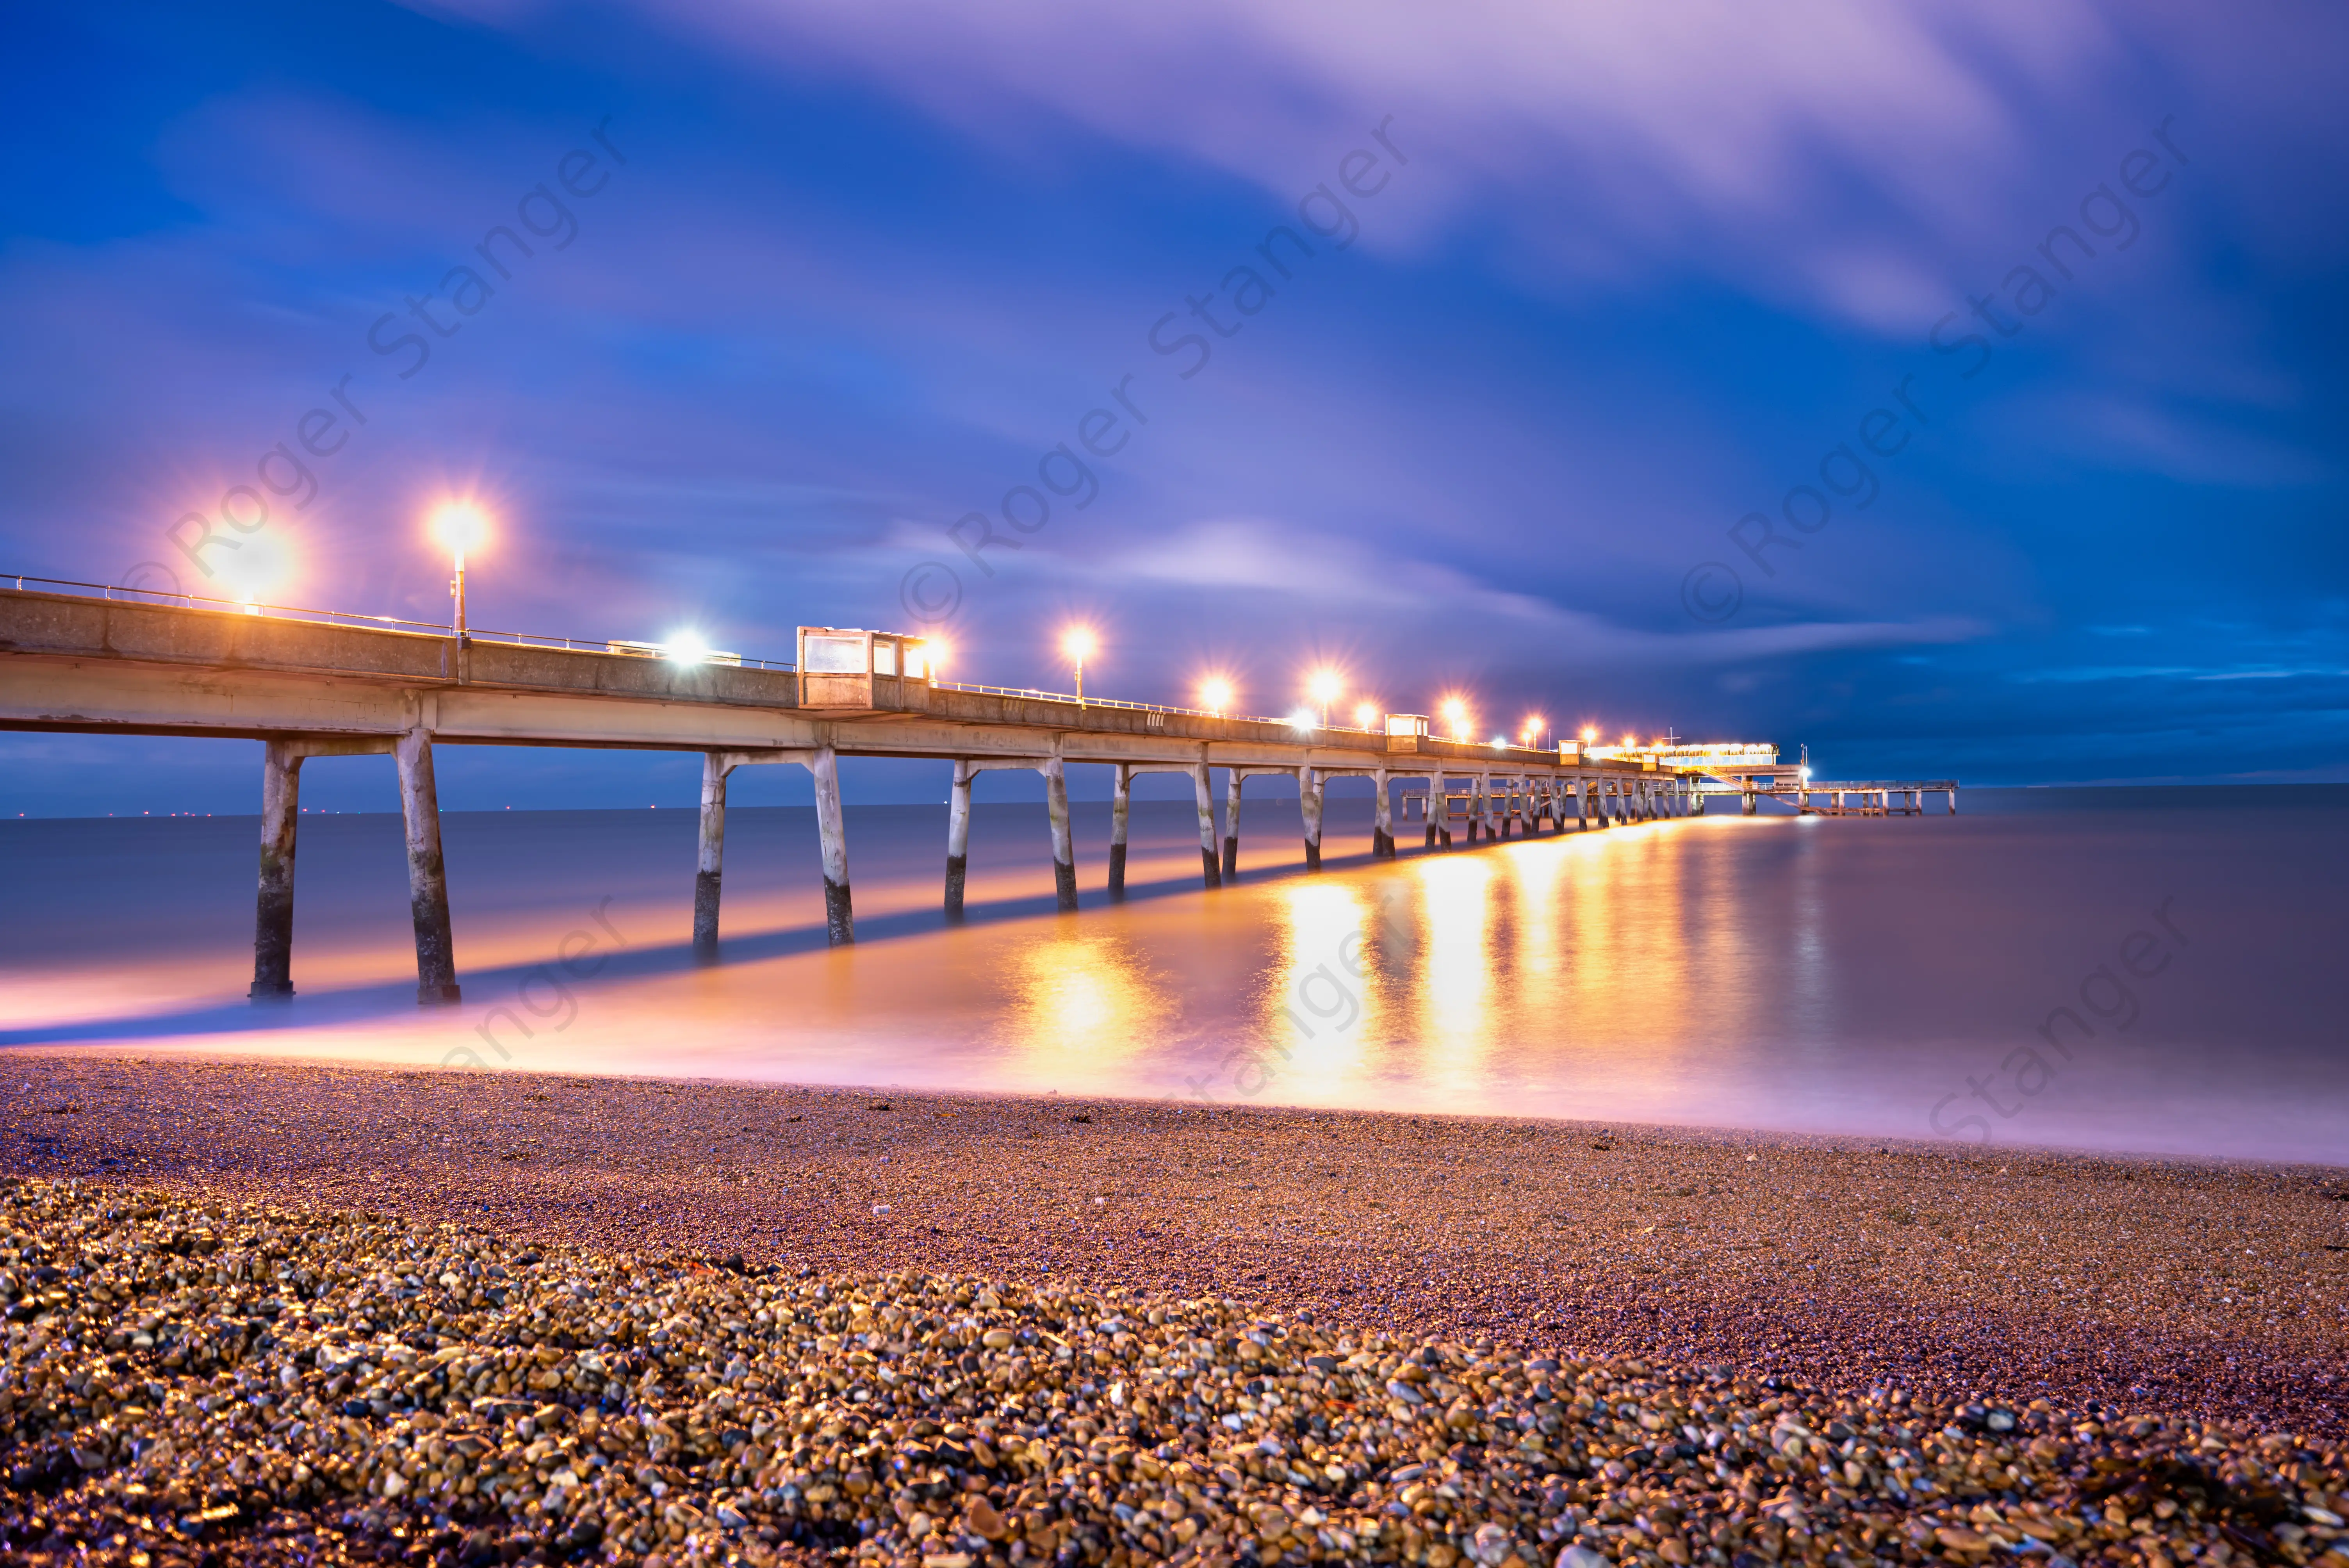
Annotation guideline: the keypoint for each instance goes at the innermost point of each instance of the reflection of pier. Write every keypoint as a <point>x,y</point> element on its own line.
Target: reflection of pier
<point>313,686</point>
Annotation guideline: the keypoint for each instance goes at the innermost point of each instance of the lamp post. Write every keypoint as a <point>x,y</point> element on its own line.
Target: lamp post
<point>1078,643</point>
<point>1216,694</point>
<point>459,526</point>
<point>1325,688</point>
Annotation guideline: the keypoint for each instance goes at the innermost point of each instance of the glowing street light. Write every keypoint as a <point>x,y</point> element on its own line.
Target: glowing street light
<point>1629,741</point>
<point>1215,695</point>
<point>1365,715</point>
<point>1455,714</point>
<point>1589,733</point>
<point>257,572</point>
<point>1535,724</point>
<point>1324,686</point>
<point>1077,642</point>
<point>686,648</point>
<point>459,526</point>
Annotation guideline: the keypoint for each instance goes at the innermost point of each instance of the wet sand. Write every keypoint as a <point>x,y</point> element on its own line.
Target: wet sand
<point>2210,1291</point>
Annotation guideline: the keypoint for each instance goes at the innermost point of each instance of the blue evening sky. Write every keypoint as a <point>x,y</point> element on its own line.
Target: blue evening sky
<point>1705,366</point>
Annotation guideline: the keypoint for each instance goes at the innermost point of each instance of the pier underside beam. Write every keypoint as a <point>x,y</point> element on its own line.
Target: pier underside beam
<point>832,828</point>
<point>1210,872</point>
<point>1065,854</point>
<point>1308,805</point>
<point>281,816</point>
<point>427,873</point>
<point>1120,806</point>
<point>711,871</point>
<point>958,834</point>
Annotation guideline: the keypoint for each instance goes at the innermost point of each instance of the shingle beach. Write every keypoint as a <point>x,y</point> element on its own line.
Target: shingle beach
<point>273,1313</point>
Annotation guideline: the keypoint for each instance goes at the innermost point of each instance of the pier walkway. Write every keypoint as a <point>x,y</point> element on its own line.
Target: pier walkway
<point>82,659</point>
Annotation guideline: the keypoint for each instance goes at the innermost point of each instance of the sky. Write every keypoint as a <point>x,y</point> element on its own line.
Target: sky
<point>1953,389</point>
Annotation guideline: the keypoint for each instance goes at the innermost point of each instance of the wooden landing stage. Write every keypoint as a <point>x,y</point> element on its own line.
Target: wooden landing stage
<point>75,658</point>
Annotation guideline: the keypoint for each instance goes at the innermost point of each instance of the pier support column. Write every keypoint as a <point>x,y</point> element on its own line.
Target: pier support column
<point>1748,804</point>
<point>1382,846</point>
<point>1439,811</point>
<point>427,876</point>
<point>1064,853</point>
<point>273,926</point>
<point>958,835</point>
<point>831,828</point>
<point>1953,803</point>
<point>1308,805</point>
<point>1232,826</point>
<point>1205,791</point>
<point>1121,800</point>
<point>708,875</point>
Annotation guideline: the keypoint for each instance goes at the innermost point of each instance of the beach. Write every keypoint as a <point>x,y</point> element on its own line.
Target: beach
<point>2211,1289</point>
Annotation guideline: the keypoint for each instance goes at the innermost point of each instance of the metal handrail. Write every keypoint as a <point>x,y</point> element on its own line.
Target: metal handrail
<point>1283,722</point>
<point>347,618</point>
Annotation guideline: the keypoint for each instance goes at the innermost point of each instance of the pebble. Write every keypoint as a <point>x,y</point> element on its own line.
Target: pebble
<point>192,1382</point>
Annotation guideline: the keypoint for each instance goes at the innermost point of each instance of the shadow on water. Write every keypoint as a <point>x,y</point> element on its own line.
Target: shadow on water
<point>313,1008</point>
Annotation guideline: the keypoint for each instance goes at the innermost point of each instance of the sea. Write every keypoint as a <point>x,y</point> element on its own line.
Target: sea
<point>2145,970</point>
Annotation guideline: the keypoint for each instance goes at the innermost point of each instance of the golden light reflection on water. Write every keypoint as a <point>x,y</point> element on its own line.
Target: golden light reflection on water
<point>1080,1006</point>
<point>1455,982</point>
<point>1325,1000</point>
<point>1537,870</point>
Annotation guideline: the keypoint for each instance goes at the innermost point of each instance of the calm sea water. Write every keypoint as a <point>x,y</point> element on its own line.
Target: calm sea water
<point>1889,977</point>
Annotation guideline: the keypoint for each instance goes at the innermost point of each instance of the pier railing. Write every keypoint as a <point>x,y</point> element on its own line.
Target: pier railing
<point>615,647</point>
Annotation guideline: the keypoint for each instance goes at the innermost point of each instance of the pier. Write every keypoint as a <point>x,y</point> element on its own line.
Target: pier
<point>86,659</point>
